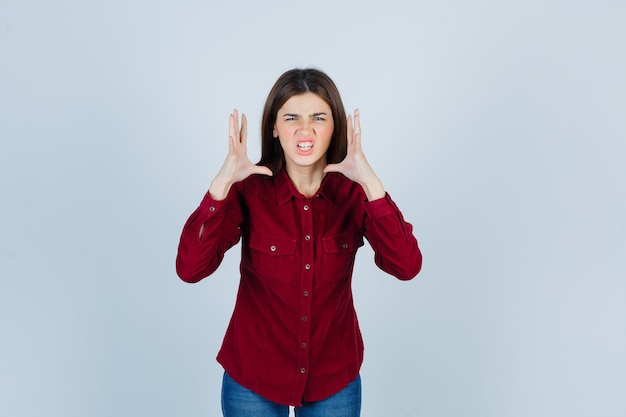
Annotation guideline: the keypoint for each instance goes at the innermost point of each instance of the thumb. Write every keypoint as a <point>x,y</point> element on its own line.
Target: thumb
<point>263,171</point>
<point>332,168</point>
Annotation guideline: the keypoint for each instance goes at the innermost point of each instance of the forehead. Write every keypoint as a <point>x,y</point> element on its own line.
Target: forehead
<point>304,104</point>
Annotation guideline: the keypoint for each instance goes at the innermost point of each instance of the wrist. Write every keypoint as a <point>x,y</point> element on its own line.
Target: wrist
<point>219,189</point>
<point>373,189</point>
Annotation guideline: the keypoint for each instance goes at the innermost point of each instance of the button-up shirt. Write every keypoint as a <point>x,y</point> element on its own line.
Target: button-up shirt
<point>294,336</point>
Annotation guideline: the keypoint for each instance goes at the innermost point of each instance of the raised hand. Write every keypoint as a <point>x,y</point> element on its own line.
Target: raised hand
<point>355,165</point>
<point>237,165</point>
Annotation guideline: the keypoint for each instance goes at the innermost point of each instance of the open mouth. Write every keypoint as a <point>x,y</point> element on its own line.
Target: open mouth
<point>305,146</point>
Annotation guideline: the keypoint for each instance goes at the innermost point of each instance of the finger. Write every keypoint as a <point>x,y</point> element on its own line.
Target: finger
<point>244,128</point>
<point>235,133</point>
<point>357,127</point>
<point>231,127</point>
<point>231,144</point>
<point>350,129</point>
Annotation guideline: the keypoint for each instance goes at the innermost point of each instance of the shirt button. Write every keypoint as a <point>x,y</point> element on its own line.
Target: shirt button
<point>306,293</point>
<point>273,248</point>
<point>304,318</point>
<point>307,237</point>
<point>303,345</point>
<point>306,208</point>
<point>307,266</point>
<point>211,209</point>
<point>302,370</point>
<point>345,246</point>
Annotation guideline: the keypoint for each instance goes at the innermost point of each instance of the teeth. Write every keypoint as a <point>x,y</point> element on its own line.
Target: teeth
<point>305,146</point>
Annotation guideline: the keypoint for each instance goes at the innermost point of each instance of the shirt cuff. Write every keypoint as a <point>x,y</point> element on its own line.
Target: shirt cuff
<point>209,206</point>
<point>380,207</point>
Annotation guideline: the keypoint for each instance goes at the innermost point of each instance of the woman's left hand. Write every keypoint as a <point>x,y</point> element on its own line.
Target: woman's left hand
<point>355,165</point>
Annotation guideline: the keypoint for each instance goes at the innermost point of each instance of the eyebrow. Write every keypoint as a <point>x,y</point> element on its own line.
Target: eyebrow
<point>297,115</point>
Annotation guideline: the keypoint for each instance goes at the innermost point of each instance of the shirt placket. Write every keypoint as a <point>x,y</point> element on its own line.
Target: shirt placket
<point>306,284</point>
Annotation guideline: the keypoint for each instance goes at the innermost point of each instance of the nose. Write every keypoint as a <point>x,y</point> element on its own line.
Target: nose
<point>305,127</point>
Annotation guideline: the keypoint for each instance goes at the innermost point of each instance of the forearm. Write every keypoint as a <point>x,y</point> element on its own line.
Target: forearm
<point>219,188</point>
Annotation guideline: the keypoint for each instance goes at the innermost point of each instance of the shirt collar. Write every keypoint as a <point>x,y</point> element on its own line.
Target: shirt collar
<point>285,190</point>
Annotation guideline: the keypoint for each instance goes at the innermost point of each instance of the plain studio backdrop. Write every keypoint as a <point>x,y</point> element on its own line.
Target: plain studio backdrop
<point>499,128</point>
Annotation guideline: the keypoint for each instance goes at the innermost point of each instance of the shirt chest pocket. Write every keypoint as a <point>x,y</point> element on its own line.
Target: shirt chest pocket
<point>272,257</point>
<point>339,253</point>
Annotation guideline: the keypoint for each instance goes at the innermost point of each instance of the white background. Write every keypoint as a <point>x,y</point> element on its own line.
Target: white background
<point>498,127</point>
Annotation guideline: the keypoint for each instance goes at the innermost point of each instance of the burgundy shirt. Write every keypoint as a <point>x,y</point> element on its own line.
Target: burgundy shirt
<point>294,335</point>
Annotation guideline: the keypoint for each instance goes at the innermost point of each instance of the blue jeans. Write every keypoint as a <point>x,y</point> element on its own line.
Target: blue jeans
<point>238,401</point>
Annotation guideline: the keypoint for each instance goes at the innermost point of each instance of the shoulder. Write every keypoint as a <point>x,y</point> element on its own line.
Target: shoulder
<point>344,189</point>
<point>343,181</point>
<point>256,183</point>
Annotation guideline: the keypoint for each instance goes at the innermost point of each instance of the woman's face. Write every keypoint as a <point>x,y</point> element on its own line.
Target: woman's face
<point>304,126</point>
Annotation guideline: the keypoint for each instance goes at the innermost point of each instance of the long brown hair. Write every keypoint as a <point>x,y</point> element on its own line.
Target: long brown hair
<point>299,81</point>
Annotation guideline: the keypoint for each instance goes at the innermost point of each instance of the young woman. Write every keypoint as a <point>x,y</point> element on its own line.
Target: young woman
<point>301,214</point>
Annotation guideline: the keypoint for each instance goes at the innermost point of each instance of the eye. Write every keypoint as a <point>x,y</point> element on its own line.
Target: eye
<point>319,118</point>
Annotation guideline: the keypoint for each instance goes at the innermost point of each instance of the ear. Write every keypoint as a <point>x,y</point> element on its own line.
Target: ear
<point>275,132</point>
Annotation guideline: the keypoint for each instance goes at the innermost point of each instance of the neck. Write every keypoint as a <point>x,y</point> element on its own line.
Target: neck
<point>307,180</point>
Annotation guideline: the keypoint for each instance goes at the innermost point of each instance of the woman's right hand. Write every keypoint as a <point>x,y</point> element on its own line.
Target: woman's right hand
<point>237,165</point>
